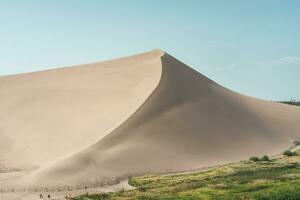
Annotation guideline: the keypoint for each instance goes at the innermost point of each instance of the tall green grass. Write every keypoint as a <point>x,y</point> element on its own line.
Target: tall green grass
<point>276,179</point>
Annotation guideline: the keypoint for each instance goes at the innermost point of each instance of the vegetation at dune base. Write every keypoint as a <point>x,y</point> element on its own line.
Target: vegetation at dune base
<point>289,153</point>
<point>256,159</point>
<point>275,179</point>
<point>291,102</point>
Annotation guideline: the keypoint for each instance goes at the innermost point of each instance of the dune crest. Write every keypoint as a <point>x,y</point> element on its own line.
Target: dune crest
<point>184,122</point>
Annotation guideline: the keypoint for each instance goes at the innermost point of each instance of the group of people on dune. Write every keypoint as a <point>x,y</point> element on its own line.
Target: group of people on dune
<point>67,197</point>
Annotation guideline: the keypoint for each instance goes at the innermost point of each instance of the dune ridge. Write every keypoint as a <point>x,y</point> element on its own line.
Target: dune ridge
<point>185,122</point>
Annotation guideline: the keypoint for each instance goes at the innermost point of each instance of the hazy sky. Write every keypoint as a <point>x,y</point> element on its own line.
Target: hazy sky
<point>252,47</point>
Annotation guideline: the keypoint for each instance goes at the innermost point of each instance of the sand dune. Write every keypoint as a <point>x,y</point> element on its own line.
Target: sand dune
<point>171,119</point>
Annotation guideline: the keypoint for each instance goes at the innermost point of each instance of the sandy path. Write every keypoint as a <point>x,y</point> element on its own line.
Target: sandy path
<point>61,195</point>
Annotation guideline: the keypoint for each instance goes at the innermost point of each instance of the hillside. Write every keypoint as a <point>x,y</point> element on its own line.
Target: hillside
<point>148,113</point>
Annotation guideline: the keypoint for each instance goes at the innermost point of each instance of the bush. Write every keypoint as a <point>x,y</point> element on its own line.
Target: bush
<point>296,143</point>
<point>254,159</point>
<point>288,153</point>
<point>265,158</point>
<point>132,182</point>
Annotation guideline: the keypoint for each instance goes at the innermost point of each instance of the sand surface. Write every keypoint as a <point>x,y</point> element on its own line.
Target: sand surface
<point>48,115</point>
<point>147,113</point>
<point>60,195</point>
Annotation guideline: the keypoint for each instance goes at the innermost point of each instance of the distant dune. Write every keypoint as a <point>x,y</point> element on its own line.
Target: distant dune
<point>147,113</point>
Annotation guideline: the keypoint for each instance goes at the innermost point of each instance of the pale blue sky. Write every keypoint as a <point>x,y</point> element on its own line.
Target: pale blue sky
<point>252,47</point>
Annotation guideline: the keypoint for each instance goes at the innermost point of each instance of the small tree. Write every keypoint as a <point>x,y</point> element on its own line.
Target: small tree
<point>265,158</point>
<point>254,159</point>
<point>288,153</point>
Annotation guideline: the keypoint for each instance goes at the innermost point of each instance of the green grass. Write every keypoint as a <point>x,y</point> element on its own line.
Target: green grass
<point>278,179</point>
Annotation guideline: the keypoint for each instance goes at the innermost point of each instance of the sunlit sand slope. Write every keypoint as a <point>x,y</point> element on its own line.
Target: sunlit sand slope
<point>49,115</point>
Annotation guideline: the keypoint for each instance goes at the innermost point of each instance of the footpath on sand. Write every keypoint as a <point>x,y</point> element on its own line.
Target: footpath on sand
<point>61,195</point>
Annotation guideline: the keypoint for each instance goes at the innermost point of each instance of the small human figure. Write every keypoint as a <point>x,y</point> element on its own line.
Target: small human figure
<point>69,195</point>
<point>41,196</point>
<point>48,196</point>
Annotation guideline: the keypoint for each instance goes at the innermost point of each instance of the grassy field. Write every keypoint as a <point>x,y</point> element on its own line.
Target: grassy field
<point>277,179</point>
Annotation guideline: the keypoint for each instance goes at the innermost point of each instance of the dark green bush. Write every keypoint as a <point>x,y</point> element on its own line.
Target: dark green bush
<point>132,182</point>
<point>254,159</point>
<point>288,153</point>
<point>265,158</point>
<point>296,142</point>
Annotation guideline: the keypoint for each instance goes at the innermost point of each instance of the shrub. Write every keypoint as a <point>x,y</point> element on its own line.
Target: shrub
<point>288,153</point>
<point>132,182</point>
<point>296,143</point>
<point>265,158</point>
<point>254,159</point>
